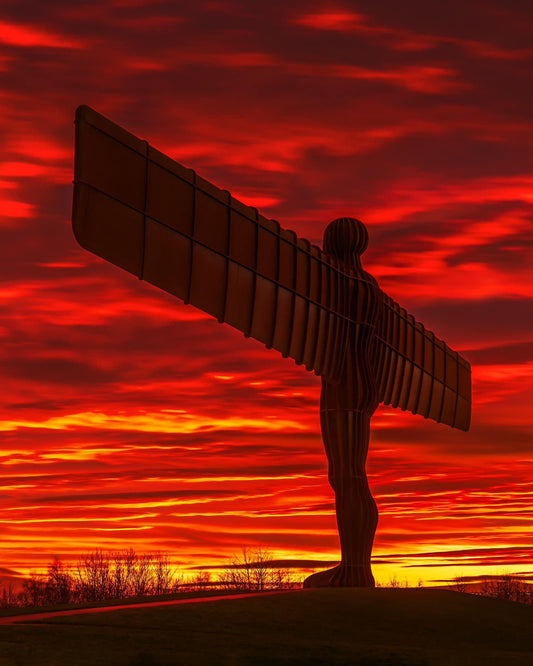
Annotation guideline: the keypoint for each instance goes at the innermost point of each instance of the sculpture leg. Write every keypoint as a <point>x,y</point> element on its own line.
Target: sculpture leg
<point>346,434</point>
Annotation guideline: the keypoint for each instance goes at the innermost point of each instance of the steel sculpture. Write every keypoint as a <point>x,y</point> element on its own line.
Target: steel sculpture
<point>147,214</point>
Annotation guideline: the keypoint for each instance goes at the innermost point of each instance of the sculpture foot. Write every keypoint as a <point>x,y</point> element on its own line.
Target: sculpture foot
<point>320,579</point>
<point>342,575</point>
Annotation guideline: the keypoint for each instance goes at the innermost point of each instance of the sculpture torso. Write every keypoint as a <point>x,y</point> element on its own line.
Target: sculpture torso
<point>346,406</point>
<point>346,239</point>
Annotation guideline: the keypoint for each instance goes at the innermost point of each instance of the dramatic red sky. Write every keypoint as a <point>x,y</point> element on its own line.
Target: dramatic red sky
<point>130,420</point>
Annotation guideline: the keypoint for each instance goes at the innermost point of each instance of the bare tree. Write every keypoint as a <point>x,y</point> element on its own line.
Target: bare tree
<point>9,598</point>
<point>394,581</point>
<point>97,576</point>
<point>460,584</point>
<point>508,586</point>
<point>143,576</point>
<point>94,576</point>
<point>201,581</point>
<point>59,583</point>
<point>122,573</point>
<point>34,591</point>
<point>164,574</point>
<point>254,570</point>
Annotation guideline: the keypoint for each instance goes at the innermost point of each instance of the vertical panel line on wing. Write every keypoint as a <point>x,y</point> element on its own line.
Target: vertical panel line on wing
<point>293,292</point>
<point>306,297</point>
<point>387,328</point>
<point>423,352</point>
<point>222,317</point>
<point>394,362</point>
<point>389,349</point>
<point>194,198</point>
<point>318,317</point>
<point>276,290</point>
<point>311,313</point>
<point>432,375</point>
<point>457,393</point>
<point>410,354</point>
<point>444,386</point>
<point>145,199</point>
<point>378,352</point>
<point>248,332</point>
<point>402,351</point>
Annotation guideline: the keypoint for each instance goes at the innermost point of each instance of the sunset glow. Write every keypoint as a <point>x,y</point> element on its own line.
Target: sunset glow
<point>131,420</point>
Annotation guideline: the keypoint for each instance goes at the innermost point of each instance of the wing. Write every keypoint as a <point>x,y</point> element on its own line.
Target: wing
<point>418,372</point>
<point>149,215</point>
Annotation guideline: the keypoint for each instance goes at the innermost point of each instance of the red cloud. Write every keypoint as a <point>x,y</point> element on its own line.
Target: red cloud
<point>424,79</point>
<point>129,418</point>
<point>401,39</point>
<point>15,34</point>
<point>11,208</point>
<point>342,21</point>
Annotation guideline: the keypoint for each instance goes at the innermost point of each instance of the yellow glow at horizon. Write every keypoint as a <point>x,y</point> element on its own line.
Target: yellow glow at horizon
<point>154,422</point>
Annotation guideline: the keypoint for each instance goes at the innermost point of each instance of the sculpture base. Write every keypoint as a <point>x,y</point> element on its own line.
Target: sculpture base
<point>343,575</point>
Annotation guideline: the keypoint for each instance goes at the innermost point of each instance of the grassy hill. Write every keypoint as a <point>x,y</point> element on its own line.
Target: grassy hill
<point>381,627</point>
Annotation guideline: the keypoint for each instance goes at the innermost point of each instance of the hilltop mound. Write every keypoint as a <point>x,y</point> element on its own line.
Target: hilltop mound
<point>381,627</point>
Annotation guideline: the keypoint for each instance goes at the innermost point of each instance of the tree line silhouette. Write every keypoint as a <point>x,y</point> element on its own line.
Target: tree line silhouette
<point>106,575</point>
<point>103,575</point>
<point>506,586</point>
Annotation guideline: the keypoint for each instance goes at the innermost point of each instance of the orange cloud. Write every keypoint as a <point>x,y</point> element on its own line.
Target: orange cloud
<point>168,421</point>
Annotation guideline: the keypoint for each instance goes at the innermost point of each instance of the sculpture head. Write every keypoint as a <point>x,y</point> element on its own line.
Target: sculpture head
<point>346,238</point>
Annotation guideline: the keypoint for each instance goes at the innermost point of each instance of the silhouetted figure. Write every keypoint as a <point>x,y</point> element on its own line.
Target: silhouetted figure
<point>346,407</point>
<point>148,214</point>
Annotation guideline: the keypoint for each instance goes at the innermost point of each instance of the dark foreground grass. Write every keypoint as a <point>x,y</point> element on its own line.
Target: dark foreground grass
<point>33,610</point>
<point>382,627</point>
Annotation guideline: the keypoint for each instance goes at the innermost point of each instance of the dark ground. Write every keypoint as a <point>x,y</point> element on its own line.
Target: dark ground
<point>361,627</point>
